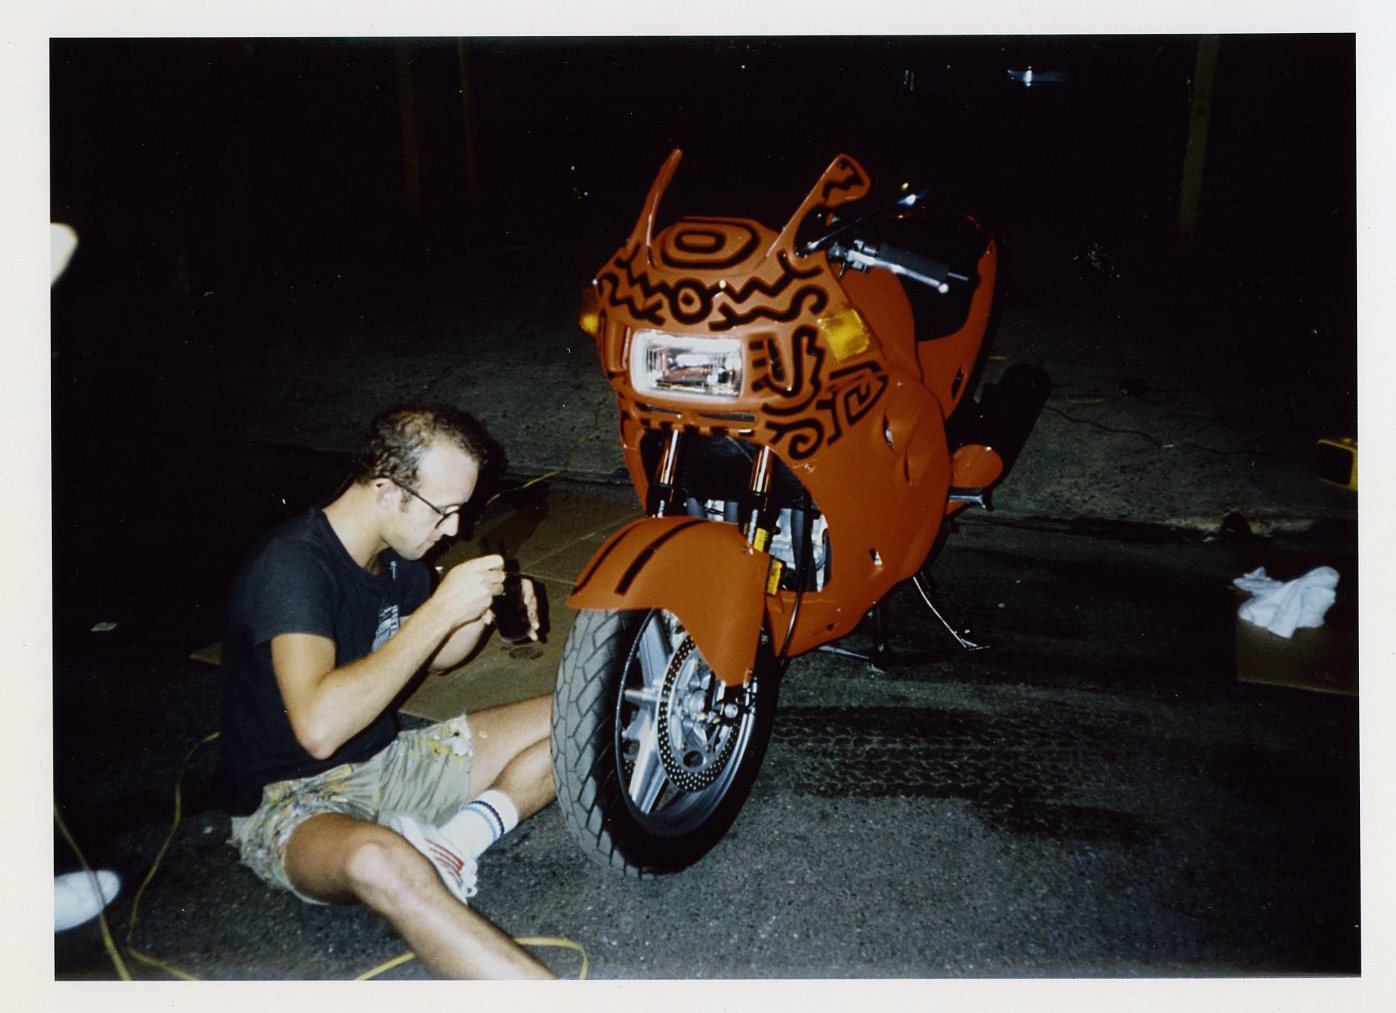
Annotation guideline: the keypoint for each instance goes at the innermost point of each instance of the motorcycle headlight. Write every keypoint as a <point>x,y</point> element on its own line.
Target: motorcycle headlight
<point>680,365</point>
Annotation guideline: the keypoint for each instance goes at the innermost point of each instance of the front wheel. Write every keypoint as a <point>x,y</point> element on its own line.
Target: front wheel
<point>652,755</point>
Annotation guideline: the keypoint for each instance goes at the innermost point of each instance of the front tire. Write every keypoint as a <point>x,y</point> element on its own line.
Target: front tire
<point>651,760</point>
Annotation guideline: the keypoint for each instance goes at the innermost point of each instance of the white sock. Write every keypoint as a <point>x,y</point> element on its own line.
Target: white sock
<point>482,822</point>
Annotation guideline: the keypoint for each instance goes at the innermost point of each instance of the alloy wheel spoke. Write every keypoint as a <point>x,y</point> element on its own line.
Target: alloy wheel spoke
<point>654,654</point>
<point>645,697</point>
<point>647,780</point>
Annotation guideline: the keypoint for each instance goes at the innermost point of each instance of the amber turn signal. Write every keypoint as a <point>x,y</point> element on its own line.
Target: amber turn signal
<point>845,332</point>
<point>589,316</point>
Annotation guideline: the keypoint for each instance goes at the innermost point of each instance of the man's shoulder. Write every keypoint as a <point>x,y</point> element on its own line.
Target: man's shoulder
<point>297,542</point>
<point>288,580</point>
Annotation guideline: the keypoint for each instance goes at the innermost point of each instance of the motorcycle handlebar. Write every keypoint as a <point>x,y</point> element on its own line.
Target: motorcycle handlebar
<point>915,266</point>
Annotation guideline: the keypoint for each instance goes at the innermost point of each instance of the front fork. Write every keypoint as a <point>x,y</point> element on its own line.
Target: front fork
<point>663,494</point>
<point>665,499</point>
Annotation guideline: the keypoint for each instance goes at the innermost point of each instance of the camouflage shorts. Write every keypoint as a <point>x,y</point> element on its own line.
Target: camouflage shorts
<point>424,772</point>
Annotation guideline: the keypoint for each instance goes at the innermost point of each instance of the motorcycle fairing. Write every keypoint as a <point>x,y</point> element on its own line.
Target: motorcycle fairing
<point>722,611</point>
<point>736,278</point>
<point>901,463</point>
<point>854,421</point>
<point>947,362</point>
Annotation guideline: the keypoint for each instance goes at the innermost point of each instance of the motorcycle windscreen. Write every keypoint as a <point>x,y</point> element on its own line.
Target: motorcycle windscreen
<point>704,572</point>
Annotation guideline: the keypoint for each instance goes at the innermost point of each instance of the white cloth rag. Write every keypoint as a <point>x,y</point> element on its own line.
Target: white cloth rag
<point>1284,606</point>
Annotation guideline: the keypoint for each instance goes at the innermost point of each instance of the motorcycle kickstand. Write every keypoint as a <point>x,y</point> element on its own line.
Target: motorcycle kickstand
<point>969,645</point>
<point>882,656</point>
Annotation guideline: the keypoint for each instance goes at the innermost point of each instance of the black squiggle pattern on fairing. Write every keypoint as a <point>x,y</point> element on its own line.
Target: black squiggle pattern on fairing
<point>851,179</point>
<point>850,396</point>
<point>806,379</point>
<point>690,301</point>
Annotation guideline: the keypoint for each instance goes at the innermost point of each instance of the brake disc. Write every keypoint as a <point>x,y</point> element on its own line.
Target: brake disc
<point>691,769</point>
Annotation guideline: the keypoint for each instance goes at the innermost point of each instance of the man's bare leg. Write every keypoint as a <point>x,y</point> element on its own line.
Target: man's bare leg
<point>338,859</point>
<point>512,753</point>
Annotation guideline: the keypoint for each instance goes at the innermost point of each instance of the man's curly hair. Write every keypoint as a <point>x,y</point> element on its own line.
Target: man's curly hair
<point>398,437</point>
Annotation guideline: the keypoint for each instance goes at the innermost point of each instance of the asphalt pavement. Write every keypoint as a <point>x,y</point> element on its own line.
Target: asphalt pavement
<point>1094,795</point>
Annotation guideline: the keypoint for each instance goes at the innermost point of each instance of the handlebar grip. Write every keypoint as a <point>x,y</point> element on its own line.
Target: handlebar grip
<point>917,266</point>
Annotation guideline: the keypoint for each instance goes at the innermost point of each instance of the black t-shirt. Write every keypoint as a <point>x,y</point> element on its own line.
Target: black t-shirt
<point>301,579</point>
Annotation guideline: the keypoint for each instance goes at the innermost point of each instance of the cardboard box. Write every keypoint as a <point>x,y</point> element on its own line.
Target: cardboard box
<point>1323,659</point>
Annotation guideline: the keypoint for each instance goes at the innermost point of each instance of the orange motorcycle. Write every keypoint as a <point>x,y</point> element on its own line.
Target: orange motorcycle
<point>783,404</point>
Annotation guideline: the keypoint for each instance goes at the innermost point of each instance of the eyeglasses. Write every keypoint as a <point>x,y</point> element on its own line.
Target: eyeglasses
<point>445,515</point>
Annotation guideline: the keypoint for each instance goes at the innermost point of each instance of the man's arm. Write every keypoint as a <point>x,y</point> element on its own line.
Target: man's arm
<point>459,645</point>
<point>328,705</point>
<point>462,643</point>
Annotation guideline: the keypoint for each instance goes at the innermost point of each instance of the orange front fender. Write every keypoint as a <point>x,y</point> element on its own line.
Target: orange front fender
<point>705,572</point>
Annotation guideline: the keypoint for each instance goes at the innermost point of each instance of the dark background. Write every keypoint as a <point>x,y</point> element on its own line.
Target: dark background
<point>248,168</point>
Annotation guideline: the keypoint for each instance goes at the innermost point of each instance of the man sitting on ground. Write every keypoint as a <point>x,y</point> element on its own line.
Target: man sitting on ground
<point>331,617</point>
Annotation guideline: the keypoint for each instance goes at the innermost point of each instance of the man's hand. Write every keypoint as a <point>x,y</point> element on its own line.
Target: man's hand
<point>470,589</point>
<point>530,600</point>
<point>466,591</point>
<point>528,594</point>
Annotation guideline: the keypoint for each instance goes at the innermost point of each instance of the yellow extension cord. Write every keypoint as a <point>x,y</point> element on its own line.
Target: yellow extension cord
<point>107,940</point>
<point>144,958</point>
